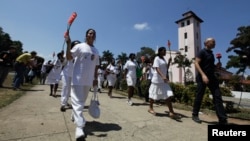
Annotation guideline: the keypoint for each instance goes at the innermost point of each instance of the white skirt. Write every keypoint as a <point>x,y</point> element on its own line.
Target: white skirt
<point>159,91</point>
<point>111,79</point>
<point>131,81</point>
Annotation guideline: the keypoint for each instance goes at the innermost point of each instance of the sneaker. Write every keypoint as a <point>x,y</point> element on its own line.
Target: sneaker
<point>130,102</point>
<point>79,134</point>
<point>196,119</point>
<point>82,138</point>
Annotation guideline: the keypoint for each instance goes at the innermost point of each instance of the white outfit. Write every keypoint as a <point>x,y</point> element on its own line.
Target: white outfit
<point>86,59</point>
<point>149,72</point>
<point>131,74</point>
<point>43,72</point>
<point>158,88</point>
<point>43,68</point>
<point>100,77</point>
<point>66,81</point>
<point>54,75</point>
<point>111,77</point>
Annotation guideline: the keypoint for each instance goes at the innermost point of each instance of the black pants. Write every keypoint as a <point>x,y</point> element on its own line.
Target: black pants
<point>214,88</point>
<point>147,90</point>
<point>138,85</point>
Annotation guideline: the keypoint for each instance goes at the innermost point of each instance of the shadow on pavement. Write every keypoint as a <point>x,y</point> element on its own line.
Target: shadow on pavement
<point>95,126</point>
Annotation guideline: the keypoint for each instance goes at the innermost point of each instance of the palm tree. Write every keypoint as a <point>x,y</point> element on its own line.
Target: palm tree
<point>183,62</point>
<point>106,57</point>
<point>122,57</point>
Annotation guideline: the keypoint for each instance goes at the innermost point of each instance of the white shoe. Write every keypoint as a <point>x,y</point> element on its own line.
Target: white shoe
<point>129,102</point>
<point>79,132</point>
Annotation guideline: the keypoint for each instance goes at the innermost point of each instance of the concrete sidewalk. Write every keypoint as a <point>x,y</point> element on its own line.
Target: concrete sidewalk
<point>36,116</point>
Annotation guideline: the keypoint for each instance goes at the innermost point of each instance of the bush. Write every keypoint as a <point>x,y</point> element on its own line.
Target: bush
<point>185,94</point>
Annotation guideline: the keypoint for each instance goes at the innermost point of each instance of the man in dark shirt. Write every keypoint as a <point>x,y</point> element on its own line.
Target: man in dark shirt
<point>204,63</point>
<point>7,59</point>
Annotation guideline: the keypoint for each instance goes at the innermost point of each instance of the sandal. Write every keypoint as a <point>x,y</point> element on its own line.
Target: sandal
<point>110,94</point>
<point>152,112</point>
<point>174,116</point>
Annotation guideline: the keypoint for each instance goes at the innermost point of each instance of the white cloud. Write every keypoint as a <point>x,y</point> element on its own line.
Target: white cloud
<point>141,26</point>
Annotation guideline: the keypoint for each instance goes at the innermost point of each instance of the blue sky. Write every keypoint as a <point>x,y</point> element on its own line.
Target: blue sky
<point>121,25</point>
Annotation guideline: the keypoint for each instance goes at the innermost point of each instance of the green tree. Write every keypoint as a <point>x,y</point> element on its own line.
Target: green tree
<point>106,57</point>
<point>145,51</point>
<point>122,57</point>
<point>241,47</point>
<point>5,40</point>
<point>19,46</point>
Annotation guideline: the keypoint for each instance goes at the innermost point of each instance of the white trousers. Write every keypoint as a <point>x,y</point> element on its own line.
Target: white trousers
<point>100,81</point>
<point>79,94</point>
<point>66,88</point>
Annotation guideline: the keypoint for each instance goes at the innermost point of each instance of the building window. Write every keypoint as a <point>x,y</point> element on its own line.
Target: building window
<point>185,35</point>
<point>197,35</point>
<point>186,49</point>
<point>188,22</point>
<point>182,24</point>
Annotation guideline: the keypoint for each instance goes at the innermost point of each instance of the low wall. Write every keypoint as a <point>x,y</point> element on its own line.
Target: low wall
<point>238,94</point>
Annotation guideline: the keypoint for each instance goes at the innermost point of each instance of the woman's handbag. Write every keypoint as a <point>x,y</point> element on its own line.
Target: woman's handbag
<point>94,109</point>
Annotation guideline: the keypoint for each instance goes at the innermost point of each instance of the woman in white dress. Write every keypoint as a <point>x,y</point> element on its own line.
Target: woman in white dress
<point>86,62</point>
<point>159,88</point>
<point>111,76</point>
<point>54,75</point>
<point>130,76</point>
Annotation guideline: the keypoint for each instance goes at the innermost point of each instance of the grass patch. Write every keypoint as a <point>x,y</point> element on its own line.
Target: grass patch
<point>8,95</point>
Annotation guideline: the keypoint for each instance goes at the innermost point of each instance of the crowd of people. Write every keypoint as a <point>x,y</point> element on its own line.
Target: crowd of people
<point>80,69</point>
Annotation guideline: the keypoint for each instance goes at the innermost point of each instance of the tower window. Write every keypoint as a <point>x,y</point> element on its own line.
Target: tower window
<point>186,49</point>
<point>182,24</point>
<point>188,22</point>
<point>185,35</point>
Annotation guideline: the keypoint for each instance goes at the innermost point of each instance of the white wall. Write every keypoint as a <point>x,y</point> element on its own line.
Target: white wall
<point>237,94</point>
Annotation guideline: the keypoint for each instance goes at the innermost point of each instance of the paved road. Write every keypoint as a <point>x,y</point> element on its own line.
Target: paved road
<point>36,117</point>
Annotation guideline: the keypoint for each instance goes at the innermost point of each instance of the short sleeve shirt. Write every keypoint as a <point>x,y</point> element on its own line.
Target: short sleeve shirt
<point>162,65</point>
<point>24,58</point>
<point>131,67</point>
<point>86,59</point>
<point>207,61</point>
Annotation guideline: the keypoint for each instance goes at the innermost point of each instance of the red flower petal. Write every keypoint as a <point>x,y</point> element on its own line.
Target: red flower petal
<point>72,18</point>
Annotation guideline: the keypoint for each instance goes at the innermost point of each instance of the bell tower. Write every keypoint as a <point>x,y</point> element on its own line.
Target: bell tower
<point>189,39</point>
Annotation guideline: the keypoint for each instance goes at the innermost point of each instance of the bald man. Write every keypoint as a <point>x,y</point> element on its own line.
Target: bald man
<point>204,63</point>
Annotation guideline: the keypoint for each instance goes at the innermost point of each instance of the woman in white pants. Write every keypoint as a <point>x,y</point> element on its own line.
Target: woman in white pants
<point>86,62</point>
<point>101,72</point>
<point>66,80</point>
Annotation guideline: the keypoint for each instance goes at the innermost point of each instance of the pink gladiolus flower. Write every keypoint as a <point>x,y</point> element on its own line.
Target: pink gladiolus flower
<point>72,18</point>
<point>218,56</point>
